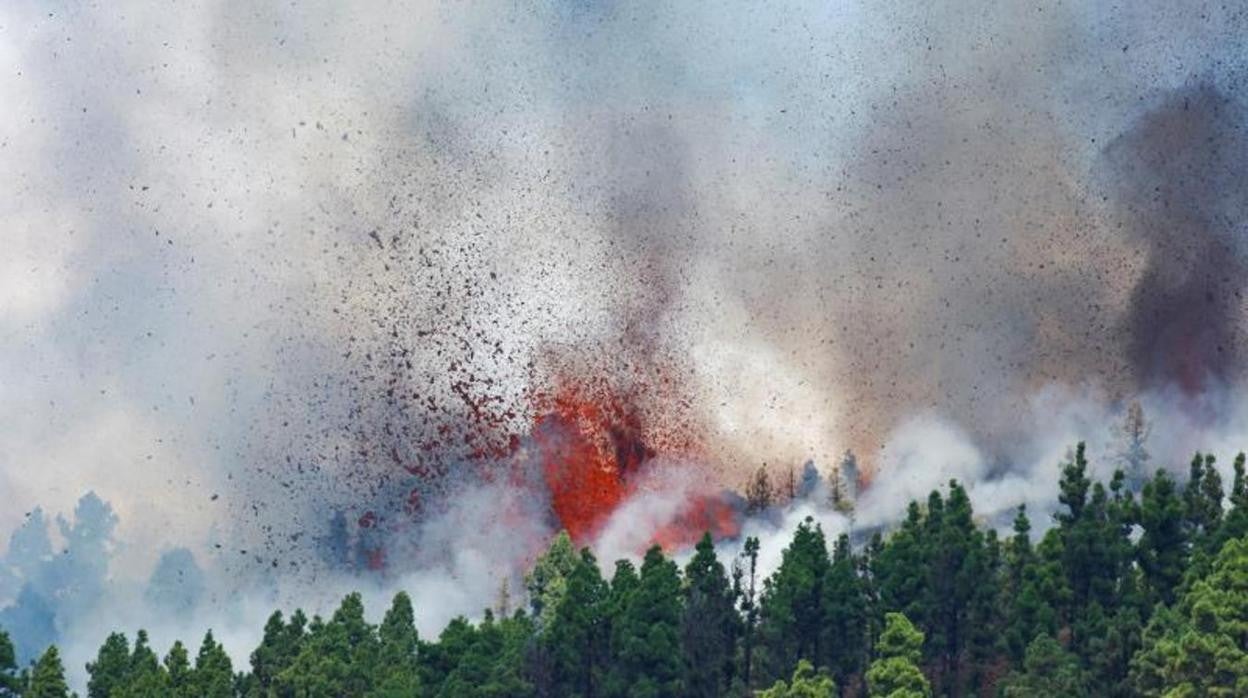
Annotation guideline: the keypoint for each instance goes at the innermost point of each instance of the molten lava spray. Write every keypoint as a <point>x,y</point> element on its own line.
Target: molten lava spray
<point>590,441</point>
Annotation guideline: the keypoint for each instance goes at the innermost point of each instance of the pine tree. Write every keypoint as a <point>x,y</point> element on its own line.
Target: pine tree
<point>1162,548</point>
<point>507,677</point>
<point>1073,487</point>
<point>146,676</point>
<point>791,611</point>
<point>47,679</point>
<point>1048,671</point>
<point>1239,486</point>
<point>577,639</point>
<point>1203,513</point>
<point>844,614</point>
<point>805,684</point>
<point>1082,555</point>
<point>274,654</point>
<point>178,668</point>
<point>213,675</point>
<point>624,583</point>
<point>896,674</point>
<point>350,631</point>
<point>438,660</point>
<point>10,681</point>
<point>746,589</point>
<point>397,669</point>
<point>709,624</point>
<point>1052,578</point>
<point>1123,518</point>
<point>111,669</point>
<point>548,581</point>
<point>1235,521</point>
<point>1110,639</point>
<point>759,493</point>
<point>900,569</point>
<point>488,668</point>
<point>1200,648</point>
<point>985,617</point>
<point>648,661</point>
<point>1133,434</point>
<point>956,572</point>
<point>1029,613</point>
<point>1202,502</point>
<point>338,656</point>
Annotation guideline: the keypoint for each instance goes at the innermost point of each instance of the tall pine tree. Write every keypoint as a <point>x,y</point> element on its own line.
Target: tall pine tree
<point>791,619</point>
<point>844,615</point>
<point>648,662</point>
<point>47,679</point>
<point>710,625</point>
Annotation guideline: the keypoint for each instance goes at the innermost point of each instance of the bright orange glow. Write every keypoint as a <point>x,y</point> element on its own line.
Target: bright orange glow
<point>588,448</point>
<point>591,448</point>
<point>702,514</point>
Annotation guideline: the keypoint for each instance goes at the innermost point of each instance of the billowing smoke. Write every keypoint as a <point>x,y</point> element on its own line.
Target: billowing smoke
<point>314,299</point>
<point>1184,195</point>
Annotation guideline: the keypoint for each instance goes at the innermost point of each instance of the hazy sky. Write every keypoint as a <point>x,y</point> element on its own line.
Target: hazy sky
<point>221,223</point>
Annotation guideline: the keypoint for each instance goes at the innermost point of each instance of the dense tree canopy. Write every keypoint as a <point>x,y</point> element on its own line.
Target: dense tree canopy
<point>1125,593</point>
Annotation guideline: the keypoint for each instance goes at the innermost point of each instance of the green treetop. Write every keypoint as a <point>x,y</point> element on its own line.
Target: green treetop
<point>896,674</point>
<point>47,679</point>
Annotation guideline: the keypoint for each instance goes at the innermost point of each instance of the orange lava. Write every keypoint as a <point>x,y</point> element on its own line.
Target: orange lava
<point>702,514</point>
<point>589,443</point>
<point>591,448</point>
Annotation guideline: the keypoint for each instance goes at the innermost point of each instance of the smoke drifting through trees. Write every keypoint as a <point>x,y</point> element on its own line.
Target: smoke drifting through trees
<point>264,267</point>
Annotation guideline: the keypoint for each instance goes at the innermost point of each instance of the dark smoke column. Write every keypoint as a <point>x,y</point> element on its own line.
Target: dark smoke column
<point>1181,178</point>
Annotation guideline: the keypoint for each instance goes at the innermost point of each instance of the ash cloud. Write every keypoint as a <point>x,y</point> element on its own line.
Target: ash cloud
<point>265,266</point>
<point>1182,190</point>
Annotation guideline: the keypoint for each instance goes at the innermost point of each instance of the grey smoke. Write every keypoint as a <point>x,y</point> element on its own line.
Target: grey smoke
<point>256,260</point>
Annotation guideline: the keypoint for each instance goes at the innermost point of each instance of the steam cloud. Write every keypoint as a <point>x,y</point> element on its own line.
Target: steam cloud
<point>277,283</point>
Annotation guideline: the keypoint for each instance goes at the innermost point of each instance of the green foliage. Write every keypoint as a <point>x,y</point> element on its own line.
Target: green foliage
<point>1201,648</point>
<point>576,643</point>
<point>1202,501</point>
<point>145,675</point>
<point>335,658</point>
<point>900,568</point>
<point>1028,590</point>
<point>491,667</point>
<point>1119,598</point>
<point>1048,670</point>
<point>646,659</point>
<point>745,588</point>
<point>47,679</point>
<point>398,671</point>
<point>1092,552</point>
<point>805,684</point>
<point>792,604</point>
<point>213,675</point>
<point>178,669</point>
<point>957,576</point>
<point>10,681</point>
<point>548,581</point>
<point>1163,545</point>
<point>896,673</point>
<point>709,624</point>
<point>111,667</point>
<point>844,614</point>
<point>437,660</point>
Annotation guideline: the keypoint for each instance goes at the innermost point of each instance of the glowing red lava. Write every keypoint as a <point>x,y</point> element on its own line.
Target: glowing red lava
<point>587,447</point>
<point>702,514</point>
<point>591,449</point>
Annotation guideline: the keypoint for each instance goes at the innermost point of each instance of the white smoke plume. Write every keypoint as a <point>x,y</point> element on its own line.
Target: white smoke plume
<point>272,273</point>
